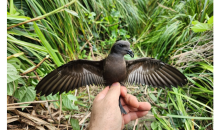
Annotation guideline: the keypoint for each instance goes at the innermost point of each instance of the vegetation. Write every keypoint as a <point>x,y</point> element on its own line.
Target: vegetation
<point>53,33</point>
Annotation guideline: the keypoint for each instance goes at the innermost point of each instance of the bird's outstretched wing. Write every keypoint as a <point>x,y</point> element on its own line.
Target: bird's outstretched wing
<point>72,75</point>
<point>153,72</point>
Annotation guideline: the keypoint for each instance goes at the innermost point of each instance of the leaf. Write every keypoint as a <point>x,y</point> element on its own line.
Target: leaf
<point>81,104</point>
<point>75,124</point>
<point>127,57</point>
<point>72,97</point>
<point>190,117</point>
<point>26,44</point>
<point>200,27</point>
<point>11,73</point>
<point>50,97</point>
<point>72,12</point>
<point>114,33</point>
<point>47,45</point>
<point>207,67</point>
<point>42,98</point>
<point>115,13</point>
<point>177,122</point>
<point>12,9</point>
<point>195,22</point>
<point>210,21</point>
<point>21,81</point>
<point>91,15</point>
<point>21,18</point>
<point>15,55</point>
<point>29,95</point>
<point>122,32</point>
<point>127,36</point>
<point>68,104</point>
<point>156,126</point>
<point>67,116</point>
<point>19,93</point>
<point>206,17</point>
<point>54,97</point>
<point>153,125</point>
<point>152,96</point>
<point>9,88</point>
<point>15,62</point>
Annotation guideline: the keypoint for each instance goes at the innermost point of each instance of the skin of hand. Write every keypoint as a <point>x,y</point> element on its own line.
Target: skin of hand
<point>106,113</point>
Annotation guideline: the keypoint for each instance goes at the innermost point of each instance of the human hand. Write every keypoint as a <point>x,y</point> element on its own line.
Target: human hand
<point>106,112</point>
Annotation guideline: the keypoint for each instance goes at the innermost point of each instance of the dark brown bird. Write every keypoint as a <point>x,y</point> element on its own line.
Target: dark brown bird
<point>78,73</point>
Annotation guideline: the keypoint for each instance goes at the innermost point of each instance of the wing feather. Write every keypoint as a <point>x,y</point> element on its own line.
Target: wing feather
<point>141,79</point>
<point>56,85</point>
<point>72,75</point>
<point>156,81</point>
<point>153,72</point>
<point>50,85</point>
<point>73,83</point>
<point>64,88</point>
<point>146,79</point>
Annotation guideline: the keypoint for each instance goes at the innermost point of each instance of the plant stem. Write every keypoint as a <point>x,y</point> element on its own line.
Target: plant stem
<point>35,66</point>
<point>15,55</point>
<point>43,16</point>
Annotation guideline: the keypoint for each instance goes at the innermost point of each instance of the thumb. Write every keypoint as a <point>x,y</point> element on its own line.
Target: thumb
<point>102,94</point>
<point>114,91</point>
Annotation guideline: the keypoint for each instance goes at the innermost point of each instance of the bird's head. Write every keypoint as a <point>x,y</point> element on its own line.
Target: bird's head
<point>122,47</point>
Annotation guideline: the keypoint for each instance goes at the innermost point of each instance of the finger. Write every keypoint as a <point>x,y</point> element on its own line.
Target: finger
<point>133,115</point>
<point>126,108</point>
<point>114,91</point>
<point>131,100</point>
<point>130,109</point>
<point>122,124</point>
<point>123,91</point>
<point>122,101</point>
<point>102,94</point>
<point>144,106</point>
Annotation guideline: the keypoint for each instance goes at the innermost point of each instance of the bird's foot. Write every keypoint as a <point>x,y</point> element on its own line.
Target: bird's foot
<point>121,107</point>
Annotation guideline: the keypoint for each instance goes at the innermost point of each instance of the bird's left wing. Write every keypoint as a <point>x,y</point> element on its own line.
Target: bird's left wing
<point>72,75</point>
<point>153,72</point>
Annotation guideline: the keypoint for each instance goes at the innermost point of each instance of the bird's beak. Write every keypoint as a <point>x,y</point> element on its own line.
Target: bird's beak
<point>130,53</point>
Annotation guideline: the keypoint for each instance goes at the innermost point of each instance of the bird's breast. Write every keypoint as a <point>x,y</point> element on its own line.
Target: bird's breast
<point>114,70</point>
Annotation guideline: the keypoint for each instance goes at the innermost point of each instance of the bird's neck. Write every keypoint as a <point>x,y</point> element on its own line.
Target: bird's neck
<point>116,55</point>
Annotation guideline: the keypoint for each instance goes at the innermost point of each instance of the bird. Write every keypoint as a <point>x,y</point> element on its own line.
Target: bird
<point>114,68</point>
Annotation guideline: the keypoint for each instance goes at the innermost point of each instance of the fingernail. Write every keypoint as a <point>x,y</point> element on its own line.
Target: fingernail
<point>116,84</point>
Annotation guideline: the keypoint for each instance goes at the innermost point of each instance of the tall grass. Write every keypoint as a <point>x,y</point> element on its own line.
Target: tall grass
<point>158,29</point>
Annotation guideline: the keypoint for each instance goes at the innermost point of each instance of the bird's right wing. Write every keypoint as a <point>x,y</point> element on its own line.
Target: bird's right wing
<point>72,75</point>
<point>153,72</point>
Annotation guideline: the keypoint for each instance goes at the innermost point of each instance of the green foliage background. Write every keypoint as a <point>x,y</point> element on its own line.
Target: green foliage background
<point>177,32</point>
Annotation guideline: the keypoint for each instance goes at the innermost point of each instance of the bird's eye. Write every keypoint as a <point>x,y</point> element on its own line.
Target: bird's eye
<point>121,45</point>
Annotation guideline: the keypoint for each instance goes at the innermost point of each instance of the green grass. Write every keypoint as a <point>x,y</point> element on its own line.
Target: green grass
<point>158,29</point>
